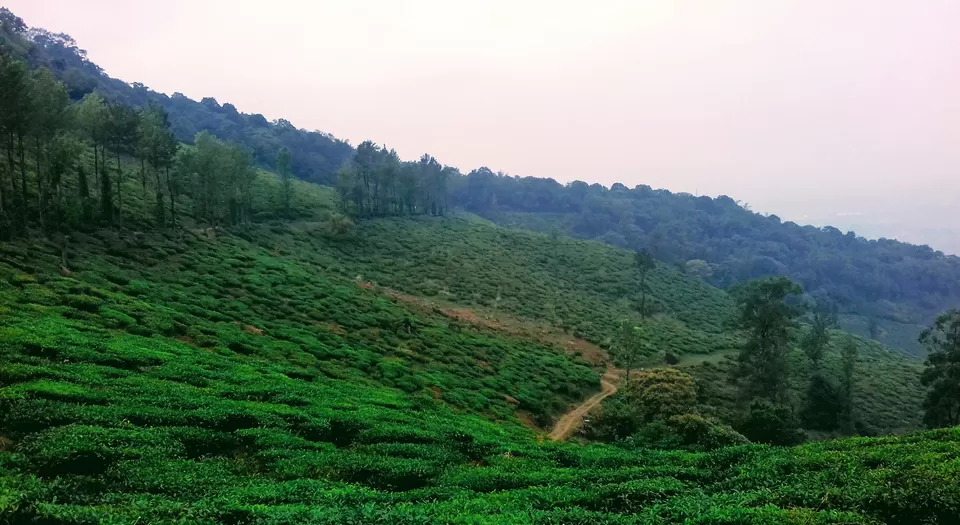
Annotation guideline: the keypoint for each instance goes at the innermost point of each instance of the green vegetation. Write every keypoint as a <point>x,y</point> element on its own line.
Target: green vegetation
<point>190,339</point>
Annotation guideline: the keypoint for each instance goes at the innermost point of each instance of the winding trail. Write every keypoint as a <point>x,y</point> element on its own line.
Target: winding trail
<point>572,419</point>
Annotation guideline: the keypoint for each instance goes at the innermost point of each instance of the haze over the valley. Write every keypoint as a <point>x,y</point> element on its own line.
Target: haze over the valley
<point>843,113</point>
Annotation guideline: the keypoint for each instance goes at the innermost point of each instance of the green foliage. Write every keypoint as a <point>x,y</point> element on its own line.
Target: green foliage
<point>824,405</point>
<point>770,423</point>
<point>685,432</point>
<point>660,393</point>
<point>767,318</point>
<point>942,373</point>
<point>817,337</point>
<point>259,371</point>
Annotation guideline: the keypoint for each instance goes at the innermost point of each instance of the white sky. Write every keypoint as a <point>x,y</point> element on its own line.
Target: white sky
<point>844,112</point>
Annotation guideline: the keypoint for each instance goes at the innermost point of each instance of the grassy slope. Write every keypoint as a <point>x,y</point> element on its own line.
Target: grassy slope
<point>585,287</point>
<point>898,335</point>
<point>132,401</point>
<point>252,379</point>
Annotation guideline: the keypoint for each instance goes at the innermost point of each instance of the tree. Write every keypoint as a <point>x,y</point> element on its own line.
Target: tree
<point>824,404</point>
<point>848,364</point>
<point>941,375</point>
<point>645,264</point>
<point>659,393</point>
<point>767,319</point>
<point>48,114</point>
<point>121,133</point>
<point>818,335</point>
<point>158,146</point>
<point>628,345</point>
<point>91,116</point>
<point>15,105</point>
<point>873,328</point>
<point>770,423</point>
<point>283,169</point>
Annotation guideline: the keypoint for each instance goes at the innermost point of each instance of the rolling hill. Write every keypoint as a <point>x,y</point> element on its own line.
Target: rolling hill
<point>203,351</point>
<point>896,287</point>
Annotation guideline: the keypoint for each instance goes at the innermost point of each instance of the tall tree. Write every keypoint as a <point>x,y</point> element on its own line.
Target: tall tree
<point>817,337</point>
<point>767,319</point>
<point>47,119</point>
<point>15,106</point>
<point>645,264</point>
<point>286,184</point>
<point>942,373</point>
<point>121,131</point>
<point>158,146</point>
<point>848,365</point>
<point>628,345</point>
<point>91,115</point>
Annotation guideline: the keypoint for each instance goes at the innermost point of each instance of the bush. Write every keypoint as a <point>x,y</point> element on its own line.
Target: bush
<point>772,424</point>
<point>687,432</point>
<point>660,393</point>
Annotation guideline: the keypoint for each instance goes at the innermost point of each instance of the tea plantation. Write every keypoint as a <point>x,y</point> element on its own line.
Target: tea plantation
<point>253,378</point>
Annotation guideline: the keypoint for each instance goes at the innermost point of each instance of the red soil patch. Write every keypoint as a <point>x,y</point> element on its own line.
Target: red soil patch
<point>5,443</point>
<point>536,332</point>
<point>185,339</point>
<point>527,420</point>
<point>332,327</point>
<point>510,399</point>
<point>248,328</point>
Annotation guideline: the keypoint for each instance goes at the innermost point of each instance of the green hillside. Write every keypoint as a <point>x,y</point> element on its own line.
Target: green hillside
<point>897,285</point>
<point>188,338</point>
<point>131,395</point>
<point>212,379</point>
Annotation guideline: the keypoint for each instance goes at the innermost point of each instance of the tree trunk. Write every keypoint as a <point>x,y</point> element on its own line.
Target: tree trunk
<point>96,168</point>
<point>40,195</point>
<point>119,192</point>
<point>143,183</point>
<point>173,208</point>
<point>11,166</point>
<point>23,179</point>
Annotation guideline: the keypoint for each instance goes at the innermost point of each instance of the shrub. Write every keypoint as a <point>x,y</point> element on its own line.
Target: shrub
<point>771,424</point>
<point>659,393</point>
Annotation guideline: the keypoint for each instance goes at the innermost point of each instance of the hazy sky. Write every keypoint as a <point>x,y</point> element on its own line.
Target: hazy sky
<point>844,112</point>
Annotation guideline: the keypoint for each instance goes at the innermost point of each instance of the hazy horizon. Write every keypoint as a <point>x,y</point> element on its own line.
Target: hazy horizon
<point>817,112</point>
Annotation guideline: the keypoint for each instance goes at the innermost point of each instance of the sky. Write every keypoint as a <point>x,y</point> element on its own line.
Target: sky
<point>820,111</point>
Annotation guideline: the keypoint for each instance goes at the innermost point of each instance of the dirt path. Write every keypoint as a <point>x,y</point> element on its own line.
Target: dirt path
<point>572,419</point>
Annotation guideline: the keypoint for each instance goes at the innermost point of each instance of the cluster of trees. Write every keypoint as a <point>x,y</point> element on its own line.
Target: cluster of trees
<point>72,164</point>
<point>44,179</point>
<point>375,182</point>
<point>657,408</point>
<point>768,318</point>
<point>315,156</point>
<point>768,314</point>
<point>942,373</point>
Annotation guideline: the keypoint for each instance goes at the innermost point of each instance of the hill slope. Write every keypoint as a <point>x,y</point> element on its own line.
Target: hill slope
<point>898,286</point>
<point>213,380</point>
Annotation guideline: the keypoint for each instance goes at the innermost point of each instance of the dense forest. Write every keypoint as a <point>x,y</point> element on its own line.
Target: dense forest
<point>723,242</point>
